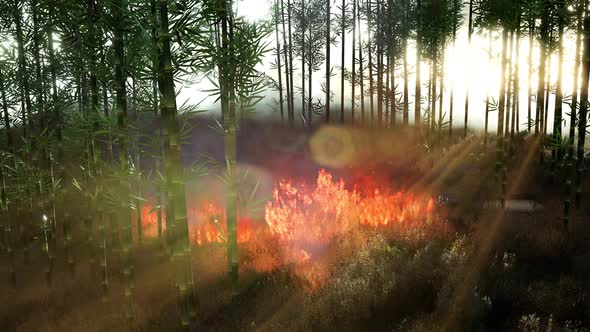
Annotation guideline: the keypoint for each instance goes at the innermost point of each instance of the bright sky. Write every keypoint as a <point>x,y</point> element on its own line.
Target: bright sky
<point>483,75</point>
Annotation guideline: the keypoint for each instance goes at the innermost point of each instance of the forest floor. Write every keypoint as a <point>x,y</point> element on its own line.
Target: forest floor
<point>493,270</point>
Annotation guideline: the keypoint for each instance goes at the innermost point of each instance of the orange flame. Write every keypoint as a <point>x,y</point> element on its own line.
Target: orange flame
<point>301,222</point>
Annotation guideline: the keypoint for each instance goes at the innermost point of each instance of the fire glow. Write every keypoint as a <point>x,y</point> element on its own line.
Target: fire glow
<point>301,220</point>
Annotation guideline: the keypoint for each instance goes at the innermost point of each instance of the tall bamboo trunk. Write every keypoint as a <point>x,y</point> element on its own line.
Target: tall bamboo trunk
<point>487,115</point>
<point>574,105</point>
<point>405,64</point>
<point>22,69</point>
<point>547,93</point>
<point>433,96</point>
<point>38,78</point>
<point>291,98</point>
<point>328,41</point>
<point>286,55</point>
<point>305,122</point>
<point>121,110</point>
<point>580,162</point>
<point>500,166</point>
<point>530,80</point>
<point>541,89</point>
<point>418,87</point>
<point>441,83</point>
<point>353,80</point>
<point>452,95</point>
<point>470,31</point>
<point>6,115</point>
<point>509,85</point>
<point>361,69</point>
<point>370,64</point>
<point>516,88</point>
<point>343,38</point>
<point>557,119</point>
<point>309,81</point>
<point>229,103</point>
<point>176,196</point>
<point>278,49</point>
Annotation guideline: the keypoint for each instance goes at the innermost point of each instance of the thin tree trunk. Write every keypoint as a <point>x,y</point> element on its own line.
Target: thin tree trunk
<point>530,80</point>
<point>470,32</point>
<point>487,115</point>
<point>361,71</point>
<point>541,84</point>
<point>286,55</point>
<point>281,101</point>
<point>371,85</point>
<point>353,80</point>
<point>22,69</point>
<point>516,89</point>
<point>328,5</point>
<point>558,93</point>
<point>580,162</point>
<point>343,38</point>
<point>303,63</point>
<point>291,98</point>
<point>440,101</point>
<point>417,96</point>
<point>500,167</point>
<point>509,85</point>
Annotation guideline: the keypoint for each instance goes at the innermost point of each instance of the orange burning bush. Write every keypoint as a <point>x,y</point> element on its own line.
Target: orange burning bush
<point>310,227</point>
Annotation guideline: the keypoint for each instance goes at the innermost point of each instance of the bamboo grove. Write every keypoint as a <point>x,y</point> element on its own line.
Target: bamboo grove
<point>79,80</point>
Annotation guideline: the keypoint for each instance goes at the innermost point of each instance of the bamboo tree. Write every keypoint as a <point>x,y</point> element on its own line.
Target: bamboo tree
<point>361,71</point>
<point>417,96</point>
<point>541,84</point>
<point>305,122</point>
<point>328,68</point>
<point>343,40</point>
<point>353,79</point>
<point>580,162</point>
<point>121,111</point>
<point>278,51</point>
<point>288,71</point>
<point>559,93</point>
<point>582,5</point>
<point>516,87</point>
<point>291,98</point>
<point>487,112</point>
<point>508,99</point>
<point>176,212</point>
<point>500,166</point>
<point>469,33</point>
<point>22,71</point>
<point>405,35</point>
<point>370,64</point>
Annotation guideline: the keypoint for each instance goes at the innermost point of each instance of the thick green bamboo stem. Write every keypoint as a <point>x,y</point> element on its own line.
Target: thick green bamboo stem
<point>177,220</point>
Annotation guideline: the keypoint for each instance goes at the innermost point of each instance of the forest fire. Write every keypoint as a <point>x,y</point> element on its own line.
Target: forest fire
<point>302,220</point>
